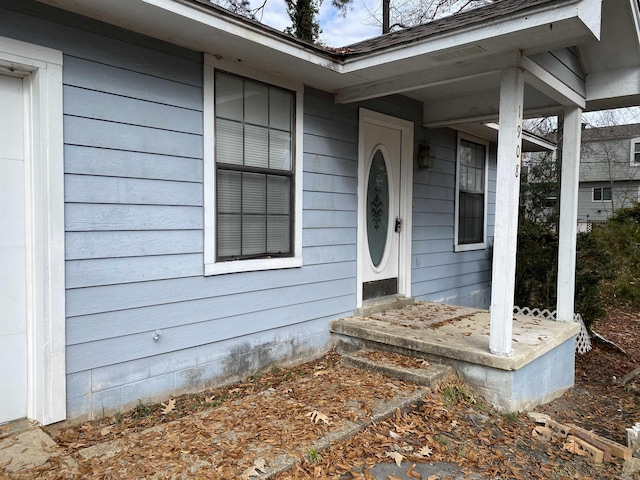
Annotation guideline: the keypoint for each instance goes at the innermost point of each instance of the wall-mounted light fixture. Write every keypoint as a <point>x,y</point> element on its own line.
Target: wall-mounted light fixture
<point>426,157</point>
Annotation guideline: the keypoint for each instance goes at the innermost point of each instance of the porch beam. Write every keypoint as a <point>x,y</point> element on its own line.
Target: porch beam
<point>567,230</point>
<point>545,82</point>
<point>620,88</point>
<point>433,74</point>
<point>507,199</point>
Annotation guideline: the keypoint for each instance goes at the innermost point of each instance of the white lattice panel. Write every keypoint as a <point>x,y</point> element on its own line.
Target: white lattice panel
<point>583,340</point>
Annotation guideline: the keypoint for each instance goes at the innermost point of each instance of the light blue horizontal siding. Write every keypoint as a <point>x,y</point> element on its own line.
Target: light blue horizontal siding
<point>109,351</point>
<point>118,163</point>
<point>95,217</point>
<point>112,271</point>
<point>82,102</point>
<point>319,237</point>
<point>90,328</point>
<point>119,136</point>
<point>133,191</point>
<point>329,254</point>
<point>316,182</point>
<point>318,219</point>
<point>330,201</point>
<point>341,167</point>
<point>89,245</point>
<point>84,301</point>
<point>126,83</point>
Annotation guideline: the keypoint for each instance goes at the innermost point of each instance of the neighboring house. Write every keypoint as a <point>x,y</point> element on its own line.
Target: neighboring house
<point>609,172</point>
<point>188,196</point>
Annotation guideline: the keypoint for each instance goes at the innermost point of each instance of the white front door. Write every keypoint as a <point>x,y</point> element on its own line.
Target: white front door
<point>384,217</point>
<point>13,324</point>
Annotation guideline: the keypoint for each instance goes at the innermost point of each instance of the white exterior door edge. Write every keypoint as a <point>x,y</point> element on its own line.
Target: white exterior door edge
<point>41,71</point>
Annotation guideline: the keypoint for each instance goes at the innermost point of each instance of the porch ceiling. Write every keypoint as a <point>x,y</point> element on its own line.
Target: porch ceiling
<point>454,71</point>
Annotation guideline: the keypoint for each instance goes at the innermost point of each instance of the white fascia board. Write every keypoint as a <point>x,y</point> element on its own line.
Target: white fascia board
<point>587,12</point>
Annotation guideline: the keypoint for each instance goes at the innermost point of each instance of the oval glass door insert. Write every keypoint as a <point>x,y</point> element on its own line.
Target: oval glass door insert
<point>377,208</point>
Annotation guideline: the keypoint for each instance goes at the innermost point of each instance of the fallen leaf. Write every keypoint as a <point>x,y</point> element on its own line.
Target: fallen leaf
<point>393,477</point>
<point>393,434</point>
<point>454,423</point>
<point>106,430</point>
<point>250,472</point>
<point>317,416</point>
<point>425,451</point>
<point>169,406</point>
<point>423,362</point>
<point>320,372</point>
<point>260,464</point>
<point>433,477</point>
<point>397,457</point>
<point>412,473</point>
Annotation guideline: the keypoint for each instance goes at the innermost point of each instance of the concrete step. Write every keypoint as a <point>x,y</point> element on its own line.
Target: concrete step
<point>423,373</point>
<point>384,304</point>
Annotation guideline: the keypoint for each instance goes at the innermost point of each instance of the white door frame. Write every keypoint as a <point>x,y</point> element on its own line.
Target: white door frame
<point>406,198</point>
<point>41,70</point>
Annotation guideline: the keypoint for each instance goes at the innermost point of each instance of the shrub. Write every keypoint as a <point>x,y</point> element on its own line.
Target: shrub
<point>620,239</point>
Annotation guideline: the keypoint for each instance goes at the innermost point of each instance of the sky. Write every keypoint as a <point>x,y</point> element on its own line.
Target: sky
<point>337,31</point>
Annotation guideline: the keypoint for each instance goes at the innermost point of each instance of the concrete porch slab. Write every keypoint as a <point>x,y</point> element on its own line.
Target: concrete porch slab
<point>540,369</point>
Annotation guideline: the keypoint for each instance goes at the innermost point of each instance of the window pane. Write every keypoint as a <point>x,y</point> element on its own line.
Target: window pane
<point>229,192</point>
<point>471,218</point>
<point>256,103</point>
<point>229,235</point>
<point>228,97</point>
<point>254,234</point>
<point>280,109</point>
<point>278,195</point>
<point>606,193</point>
<point>280,150</point>
<point>278,233</point>
<point>597,193</point>
<point>254,193</point>
<point>256,146</point>
<point>228,142</point>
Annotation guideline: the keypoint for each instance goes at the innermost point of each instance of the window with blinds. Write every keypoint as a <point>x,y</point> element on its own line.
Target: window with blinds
<point>472,158</point>
<point>254,131</point>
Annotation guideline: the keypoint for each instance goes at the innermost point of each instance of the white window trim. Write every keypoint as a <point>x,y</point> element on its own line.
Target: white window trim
<point>600,201</point>
<point>470,246</point>
<point>632,156</point>
<point>211,267</point>
<point>41,69</point>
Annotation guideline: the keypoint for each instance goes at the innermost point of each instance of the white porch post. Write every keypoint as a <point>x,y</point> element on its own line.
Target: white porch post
<point>507,200</point>
<point>567,229</point>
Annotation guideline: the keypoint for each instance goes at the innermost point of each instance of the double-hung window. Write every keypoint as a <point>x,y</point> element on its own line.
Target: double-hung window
<point>635,152</point>
<point>471,194</point>
<point>252,164</point>
<point>601,194</point>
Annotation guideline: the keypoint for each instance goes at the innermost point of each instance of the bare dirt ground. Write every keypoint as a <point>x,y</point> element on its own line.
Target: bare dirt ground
<point>451,425</point>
